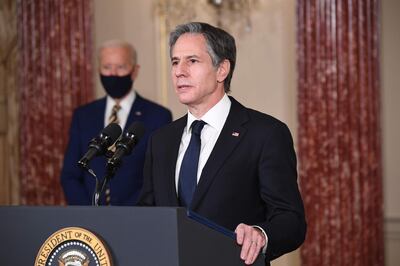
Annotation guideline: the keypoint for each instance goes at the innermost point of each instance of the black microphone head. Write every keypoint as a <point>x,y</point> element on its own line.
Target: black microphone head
<point>125,146</point>
<point>136,129</point>
<point>98,145</point>
<point>113,131</point>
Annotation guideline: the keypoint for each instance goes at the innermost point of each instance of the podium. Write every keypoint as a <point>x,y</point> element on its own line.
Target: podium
<point>133,235</point>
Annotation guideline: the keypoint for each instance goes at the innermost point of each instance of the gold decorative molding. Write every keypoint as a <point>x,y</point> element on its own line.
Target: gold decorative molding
<point>231,15</point>
<point>234,13</point>
<point>9,105</point>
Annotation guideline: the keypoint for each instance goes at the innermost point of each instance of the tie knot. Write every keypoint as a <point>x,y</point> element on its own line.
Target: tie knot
<point>114,114</point>
<point>116,108</point>
<point>197,126</point>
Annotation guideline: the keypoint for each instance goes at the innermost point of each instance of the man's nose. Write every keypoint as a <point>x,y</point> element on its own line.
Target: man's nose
<point>181,69</point>
<point>113,71</point>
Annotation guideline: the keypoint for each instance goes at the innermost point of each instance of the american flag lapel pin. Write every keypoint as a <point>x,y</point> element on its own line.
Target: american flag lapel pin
<point>138,113</point>
<point>235,134</point>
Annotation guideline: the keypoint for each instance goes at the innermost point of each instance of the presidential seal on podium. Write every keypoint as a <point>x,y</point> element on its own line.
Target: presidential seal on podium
<point>73,246</point>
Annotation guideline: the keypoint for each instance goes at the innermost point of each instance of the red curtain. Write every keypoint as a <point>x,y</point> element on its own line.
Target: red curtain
<point>339,131</point>
<point>55,76</point>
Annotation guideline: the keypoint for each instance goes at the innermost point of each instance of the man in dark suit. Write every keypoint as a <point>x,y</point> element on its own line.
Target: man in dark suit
<point>245,176</point>
<point>118,69</point>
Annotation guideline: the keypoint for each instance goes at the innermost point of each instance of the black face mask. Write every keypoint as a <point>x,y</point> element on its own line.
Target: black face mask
<point>116,86</point>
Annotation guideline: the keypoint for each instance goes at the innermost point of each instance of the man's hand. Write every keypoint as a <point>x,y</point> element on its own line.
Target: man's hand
<point>252,241</point>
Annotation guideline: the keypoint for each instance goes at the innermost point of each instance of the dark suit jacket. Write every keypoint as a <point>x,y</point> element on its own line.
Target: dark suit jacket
<point>250,177</point>
<point>87,122</point>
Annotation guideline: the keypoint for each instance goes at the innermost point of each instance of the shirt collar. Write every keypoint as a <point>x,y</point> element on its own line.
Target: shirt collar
<point>215,117</point>
<point>126,102</point>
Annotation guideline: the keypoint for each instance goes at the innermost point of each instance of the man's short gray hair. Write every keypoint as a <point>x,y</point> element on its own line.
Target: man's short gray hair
<point>122,44</point>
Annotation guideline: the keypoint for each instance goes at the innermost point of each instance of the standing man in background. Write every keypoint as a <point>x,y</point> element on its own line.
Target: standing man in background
<point>231,164</point>
<point>123,105</point>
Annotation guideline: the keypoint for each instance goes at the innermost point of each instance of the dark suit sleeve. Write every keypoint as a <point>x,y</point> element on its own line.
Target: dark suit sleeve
<point>285,223</point>
<point>166,118</point>
<point>71,174</point>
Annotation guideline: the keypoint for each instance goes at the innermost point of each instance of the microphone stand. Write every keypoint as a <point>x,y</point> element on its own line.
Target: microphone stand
<point>100,186</point>
<point>100,189</point>
<point>96,195</point>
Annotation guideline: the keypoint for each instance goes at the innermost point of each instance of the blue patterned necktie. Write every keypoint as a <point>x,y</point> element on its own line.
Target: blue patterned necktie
<point>188,171</point>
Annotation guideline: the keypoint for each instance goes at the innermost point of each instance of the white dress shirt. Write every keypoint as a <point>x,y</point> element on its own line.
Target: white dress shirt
<point>215,119</point>
<point>126,105</point>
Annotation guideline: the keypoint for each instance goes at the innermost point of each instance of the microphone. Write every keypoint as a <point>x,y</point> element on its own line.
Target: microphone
<point>124,145</point>
<point>98,145</point>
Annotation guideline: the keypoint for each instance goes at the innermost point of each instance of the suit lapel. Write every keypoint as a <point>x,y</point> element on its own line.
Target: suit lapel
<point>136,111</point>
<point>231,135</point>
<point>171,149</point>
<point>99,114</point>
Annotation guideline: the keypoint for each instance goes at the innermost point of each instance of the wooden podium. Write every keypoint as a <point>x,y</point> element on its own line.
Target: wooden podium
<point>133,235</point>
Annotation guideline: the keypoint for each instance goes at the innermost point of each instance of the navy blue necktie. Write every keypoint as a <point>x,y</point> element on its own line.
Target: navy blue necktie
<point>188,172</point>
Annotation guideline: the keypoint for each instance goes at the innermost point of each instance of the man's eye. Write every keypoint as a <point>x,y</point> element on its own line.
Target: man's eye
<point>193,61</point>
<point>174,63</point>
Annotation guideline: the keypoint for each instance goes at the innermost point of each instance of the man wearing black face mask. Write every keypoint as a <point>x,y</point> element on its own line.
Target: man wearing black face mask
<point>118,69</point>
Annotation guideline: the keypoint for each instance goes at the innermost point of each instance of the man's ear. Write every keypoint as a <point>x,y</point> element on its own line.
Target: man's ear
<point>223,70</point>
<point>135,72</point>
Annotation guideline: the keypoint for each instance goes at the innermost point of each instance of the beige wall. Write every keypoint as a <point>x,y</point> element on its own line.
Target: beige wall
<point>265,75</point>
<point>265,78</point>
<point>390,110</point>
<point>390,66</point>
<point>132,21</point>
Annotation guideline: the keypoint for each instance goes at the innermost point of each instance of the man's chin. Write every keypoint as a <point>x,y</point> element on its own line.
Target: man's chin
<point>184,99</point>
<point>185,102</point>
